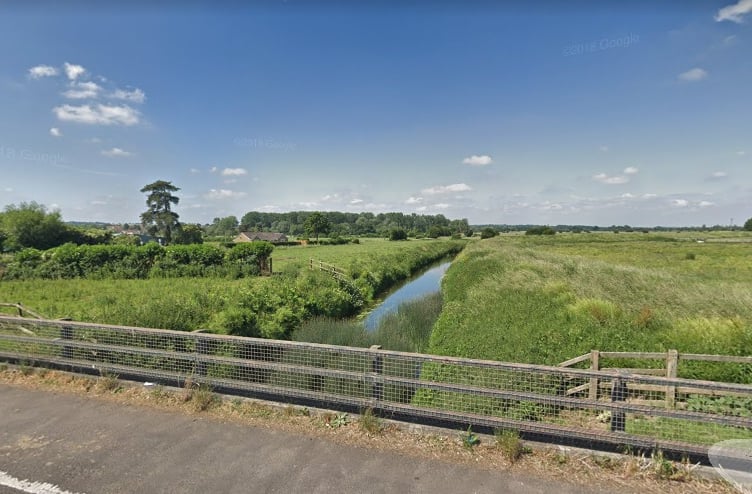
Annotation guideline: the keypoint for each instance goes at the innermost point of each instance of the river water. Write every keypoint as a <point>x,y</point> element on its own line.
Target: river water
<point>423,284</point>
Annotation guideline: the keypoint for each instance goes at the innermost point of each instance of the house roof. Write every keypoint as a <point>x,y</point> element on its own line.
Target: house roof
<point>265,236</point>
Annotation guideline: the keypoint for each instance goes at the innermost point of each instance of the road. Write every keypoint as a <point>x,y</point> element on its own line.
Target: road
<point>85,445</point>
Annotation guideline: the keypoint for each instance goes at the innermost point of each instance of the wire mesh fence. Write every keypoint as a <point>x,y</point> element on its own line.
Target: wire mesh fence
<point>554,403</point>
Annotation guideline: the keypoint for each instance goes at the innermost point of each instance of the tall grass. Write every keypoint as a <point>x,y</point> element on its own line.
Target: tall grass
<point>407,329</point>
<point>547,300</point>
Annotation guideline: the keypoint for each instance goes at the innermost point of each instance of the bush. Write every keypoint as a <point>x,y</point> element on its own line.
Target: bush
<point>542,230</point>
<point>397,234</point>
<point>488,232</point>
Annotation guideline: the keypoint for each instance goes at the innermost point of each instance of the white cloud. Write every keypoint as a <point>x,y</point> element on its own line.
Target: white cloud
<point>94,140</point>
<point>631,170</point>
<point>604,149</point>
<point>414,200</point>
<point>441,205</point>
<point>55,132</point>
<point>73,71</point>
<point>628,195</point>
<point>605,179</point>
<point>443,189</point>
<point>136,95</point>
<point>227,172</point>
<point>116,153</point>
<point>195,171</point>
<point>741,153</point>
<point>735,12</point>
<point>355,202</point>
<point>42,71</point>
<point>680,203</point>
<point>98,115</point>
<point>223,194</point>
<point>706,204</point>
<point>8,189</point>
<point>718,175</point>
<point>695,74</point>
<point>82,90</point>
<point>214,169</point>
<point>478,160</point>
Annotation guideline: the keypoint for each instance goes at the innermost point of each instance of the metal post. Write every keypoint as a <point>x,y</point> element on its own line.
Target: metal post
<point>618,394</point>
<point>66,333</point>
<point>202,348</point>
<point>377,367</point>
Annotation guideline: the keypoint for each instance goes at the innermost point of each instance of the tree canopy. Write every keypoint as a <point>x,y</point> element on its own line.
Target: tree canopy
<point>159,219</point>
<point>31,225</point>
<point>316,224</point>
<point>748,225</point>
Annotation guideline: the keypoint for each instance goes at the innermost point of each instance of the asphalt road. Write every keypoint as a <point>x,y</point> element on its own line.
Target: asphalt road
<point>84,445</point>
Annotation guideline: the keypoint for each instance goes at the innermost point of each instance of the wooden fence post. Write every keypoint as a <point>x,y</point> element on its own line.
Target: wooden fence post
<point>377,367</point>
<point>594,365</point>
<point>672,362</point>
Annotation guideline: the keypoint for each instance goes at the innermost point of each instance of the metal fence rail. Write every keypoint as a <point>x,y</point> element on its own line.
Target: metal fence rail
<point>534,399</point>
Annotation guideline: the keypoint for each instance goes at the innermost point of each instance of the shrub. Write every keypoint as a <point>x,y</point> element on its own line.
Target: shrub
<point>541,230</point>
<point>488,232</point>
<point>397,234</point>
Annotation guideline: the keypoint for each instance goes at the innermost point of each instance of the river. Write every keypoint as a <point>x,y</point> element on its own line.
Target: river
<point>424,283</point>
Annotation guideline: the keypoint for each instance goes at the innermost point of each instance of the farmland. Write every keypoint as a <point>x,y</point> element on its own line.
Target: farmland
<point>547,299</point>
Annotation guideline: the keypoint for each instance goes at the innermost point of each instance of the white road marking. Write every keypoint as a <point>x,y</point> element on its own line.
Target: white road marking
<point>30,487</point>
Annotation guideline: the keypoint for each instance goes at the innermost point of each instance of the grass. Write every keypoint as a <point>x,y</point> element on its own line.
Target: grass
<point>509,442</point>
<point>271,307</point>
<point>545,300</point>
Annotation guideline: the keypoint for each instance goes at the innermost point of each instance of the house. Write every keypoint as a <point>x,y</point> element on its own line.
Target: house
<point>274,238</point>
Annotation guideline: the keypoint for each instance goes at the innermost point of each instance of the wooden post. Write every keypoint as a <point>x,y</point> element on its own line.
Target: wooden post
<point>377,367</point>
<point>594,365</point>
<point>672,362</point>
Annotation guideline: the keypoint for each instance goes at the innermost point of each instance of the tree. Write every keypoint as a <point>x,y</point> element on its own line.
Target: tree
<point>189,234</point>
<point>159,219</point>
<point>748,225</point>
<point>398,234</point>
<point>315,224</point>
<point>30,225</point>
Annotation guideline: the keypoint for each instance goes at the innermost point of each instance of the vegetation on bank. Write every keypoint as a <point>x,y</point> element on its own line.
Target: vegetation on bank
<point>270,307</point>
<point>545,299</point>
<point>408,329</point>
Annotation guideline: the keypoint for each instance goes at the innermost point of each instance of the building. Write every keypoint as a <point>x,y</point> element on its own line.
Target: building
<point>274,238</point>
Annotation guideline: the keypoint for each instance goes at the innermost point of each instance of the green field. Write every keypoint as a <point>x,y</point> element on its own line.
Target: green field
<point>547,299</point>
<point>271,307</point>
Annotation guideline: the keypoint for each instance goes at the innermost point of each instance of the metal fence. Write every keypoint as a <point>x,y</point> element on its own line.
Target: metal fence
<point>486,395</point>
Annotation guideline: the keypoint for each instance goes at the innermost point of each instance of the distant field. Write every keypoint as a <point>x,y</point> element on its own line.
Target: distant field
<point>261,306</point>
<point>547,299</point>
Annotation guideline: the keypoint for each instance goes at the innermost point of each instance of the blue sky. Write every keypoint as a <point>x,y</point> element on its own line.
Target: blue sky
<point>600,113</point>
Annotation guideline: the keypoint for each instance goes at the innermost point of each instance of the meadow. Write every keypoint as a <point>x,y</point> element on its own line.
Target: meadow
<point>546,299</point>
<point>271,307</point>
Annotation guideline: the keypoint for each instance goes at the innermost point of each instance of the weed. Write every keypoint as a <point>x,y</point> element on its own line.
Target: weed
<point>339,420</point>
<point>369,422</point>
<point>109,382</point>
<point>663,467</point>
<point>510,444</point>
<point>468,438</point>
<point>26,368</point>
<point>3,367</point>
<point>188,389</point>
<point>203,398</point>
<point>158,393</point>
<point>690,256</point>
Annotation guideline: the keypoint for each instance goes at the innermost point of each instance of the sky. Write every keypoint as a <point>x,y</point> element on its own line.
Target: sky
<point>597,113</point>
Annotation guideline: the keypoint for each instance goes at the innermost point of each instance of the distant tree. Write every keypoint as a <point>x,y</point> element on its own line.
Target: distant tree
<point>159,219</point>
<point>488,232</point>
<point>189,234</point>
<point>398,234</point>
<point>748,225</point>
<point>545,230</point>
<point>223,227</point>
<point>31,225</point>
<point>315,224</point>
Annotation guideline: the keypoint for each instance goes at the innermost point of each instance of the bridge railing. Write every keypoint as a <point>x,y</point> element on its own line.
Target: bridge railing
<point>486,395</point>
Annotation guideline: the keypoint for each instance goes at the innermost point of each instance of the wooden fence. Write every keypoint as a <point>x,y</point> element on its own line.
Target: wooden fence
<point>670,364</point>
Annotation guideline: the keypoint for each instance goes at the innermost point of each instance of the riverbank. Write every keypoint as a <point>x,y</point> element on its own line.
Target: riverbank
<point>271,307</point>
<point>545,300</point>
